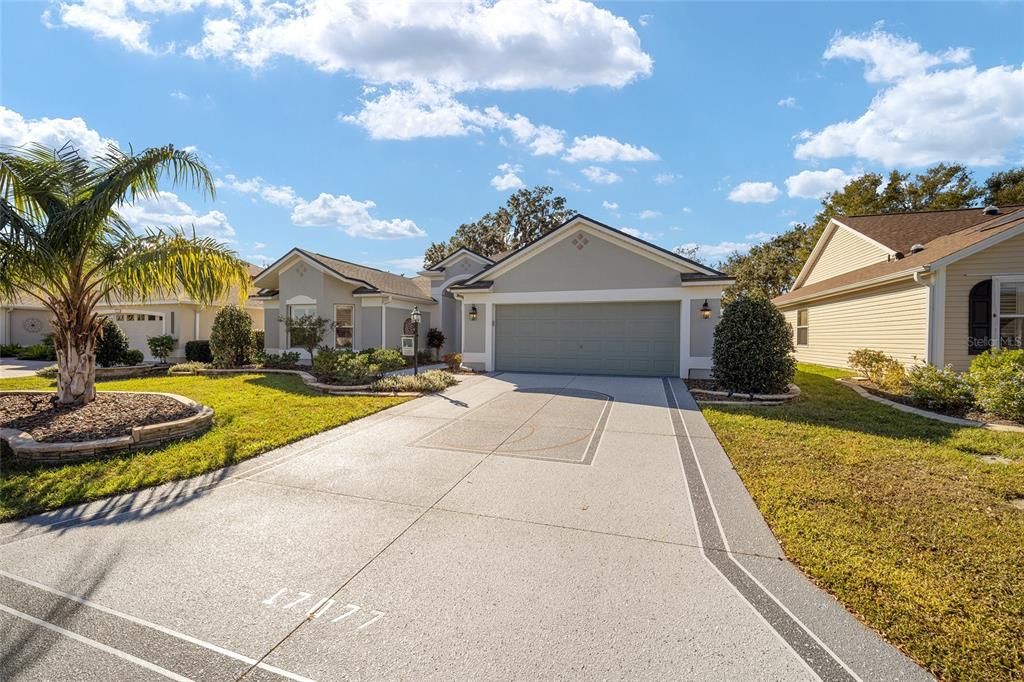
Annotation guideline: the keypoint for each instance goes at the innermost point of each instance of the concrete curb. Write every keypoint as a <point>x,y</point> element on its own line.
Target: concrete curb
<point>27,449</point>
<point>957,421</point>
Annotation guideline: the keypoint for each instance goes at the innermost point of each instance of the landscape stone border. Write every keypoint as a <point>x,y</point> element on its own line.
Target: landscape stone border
<point>927,414</point>
<point>128,371</point>
<point>27,449</point>
<point>309,380</point>
<point>755,398</point>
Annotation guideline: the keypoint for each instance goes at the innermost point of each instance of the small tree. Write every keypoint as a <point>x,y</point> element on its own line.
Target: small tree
<point>161,346</point>
<point>111,345</point>
<point>231,337</point>
<point>752,349</point>
<point>435,340</point>
<point>306,331</point>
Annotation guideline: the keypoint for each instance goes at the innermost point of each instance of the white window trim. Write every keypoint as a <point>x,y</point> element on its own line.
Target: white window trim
<point>301,304</point>
<point>997,316</point>
<point>806,326</point>
<point>352,326</point>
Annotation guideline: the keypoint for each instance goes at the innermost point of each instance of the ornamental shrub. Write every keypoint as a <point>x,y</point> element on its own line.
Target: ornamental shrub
<point>134,357</point>
<point>161,346</point>
<point>188,367</point>
<point>431,381</point>
<point>435,340</point>
<point>943,389</point>
<point>341,366</point>
<point>198,351</point>
<point>231,337</point>
<point>386,360</point>
<point>112,345</point>
<point>752,348</point>
<point>453,360</point>
<point>287,360</point>
<point>882,370</point>
<point>997,377</point>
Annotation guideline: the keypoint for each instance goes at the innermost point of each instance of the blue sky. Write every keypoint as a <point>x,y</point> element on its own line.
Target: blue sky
<point>366,132</point>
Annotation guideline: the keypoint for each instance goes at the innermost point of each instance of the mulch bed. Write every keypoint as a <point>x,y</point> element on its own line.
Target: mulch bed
<point>907,400</point>
<point>109,416</point>
<point>712,385</point>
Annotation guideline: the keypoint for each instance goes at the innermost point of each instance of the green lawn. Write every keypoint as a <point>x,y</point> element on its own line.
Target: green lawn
<point>253,413</point>
<point>897,516</point>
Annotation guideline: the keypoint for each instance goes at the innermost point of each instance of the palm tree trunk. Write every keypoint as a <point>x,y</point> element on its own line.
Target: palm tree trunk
<point>76,374</point>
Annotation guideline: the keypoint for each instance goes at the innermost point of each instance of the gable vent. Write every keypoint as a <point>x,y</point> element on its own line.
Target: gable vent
<point>991,210</point>
<point>917,248</point>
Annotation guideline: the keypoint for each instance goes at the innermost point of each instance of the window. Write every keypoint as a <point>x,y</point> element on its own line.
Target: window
<point>343,326</point>
<point>172,321</point>
<point>297,311</point>
<point>979,318</point>
<point>1010,323</point>
<point>801,327</point>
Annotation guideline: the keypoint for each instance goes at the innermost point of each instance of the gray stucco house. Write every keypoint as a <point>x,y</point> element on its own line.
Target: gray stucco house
<point>584,298</point>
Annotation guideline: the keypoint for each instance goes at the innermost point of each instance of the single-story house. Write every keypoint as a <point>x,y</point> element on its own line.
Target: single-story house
<point>25,321</point>
<point>935,286</point>
<point>584,298</point>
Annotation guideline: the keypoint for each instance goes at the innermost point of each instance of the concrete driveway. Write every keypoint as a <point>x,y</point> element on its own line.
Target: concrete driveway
<point>517,527</point>
<point>12,368</point>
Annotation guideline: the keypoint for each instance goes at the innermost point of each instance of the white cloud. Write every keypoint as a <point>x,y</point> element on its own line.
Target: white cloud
<point>16,130</point>
<point>888,57</point>
<point>259,245</point>
<point>509,179</point>
<point>260,259</point>
<point>633,232</point>
<point>409,266</point>
<point>666,178</point>
<point>220,38</point>
<point>168,211</point>
<point>181,96</point>
<point>647,214</point>
<point>787,102</point>
<point>687,209</point>
<point>104,20</point>
<point>760,236</point>
<point>644,19</point>
<point>719,250</point>
<point>600,176</point>
<point>352,217</point>
<point>816,184</point>
<point>604,149</point>
<point>279,195</point>
<point>924,116</point>
<point>610,205</point>
<point>754,193</point>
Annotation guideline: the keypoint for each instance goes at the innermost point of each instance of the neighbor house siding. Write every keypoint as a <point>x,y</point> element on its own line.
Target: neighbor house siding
<point>1006,258</point>
<point>845,252</point>
<point>892,319</point>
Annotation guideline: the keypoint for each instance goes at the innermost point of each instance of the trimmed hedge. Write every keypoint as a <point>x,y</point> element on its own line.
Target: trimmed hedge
<point>198,351</point>
<point>112,345</point>
<point>231,338</point>
<point>997,377</point>
<point>752,348</point>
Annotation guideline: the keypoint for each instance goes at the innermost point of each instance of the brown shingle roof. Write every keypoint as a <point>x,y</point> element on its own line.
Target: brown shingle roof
<point>900,231</point>
<point>936,249</point>
<point>379,280</point>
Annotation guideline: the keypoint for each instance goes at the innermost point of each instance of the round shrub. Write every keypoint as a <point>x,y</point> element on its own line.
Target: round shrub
<point>198,351</point>
<point>134,357</point>
<point>997,377</point>
<point>231,337</point>
<point>752,348</point>
<point>112,345</point>
<point>940,389</point>
<point>161,346</point>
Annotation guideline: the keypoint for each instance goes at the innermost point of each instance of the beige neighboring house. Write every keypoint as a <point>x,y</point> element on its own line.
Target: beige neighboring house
<point>938,287</point>
<point>26,321</point>
<point>583,299</point>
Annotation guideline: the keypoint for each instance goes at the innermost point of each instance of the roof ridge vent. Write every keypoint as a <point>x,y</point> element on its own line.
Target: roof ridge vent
<point>991,209</point>
<point>917,248</point>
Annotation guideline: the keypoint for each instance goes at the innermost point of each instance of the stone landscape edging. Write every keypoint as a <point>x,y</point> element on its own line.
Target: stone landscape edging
<point>309,380</point>
<point>25,448</point>
<point>127,371</point>
<point>776,398</point>
<point>927,414</point>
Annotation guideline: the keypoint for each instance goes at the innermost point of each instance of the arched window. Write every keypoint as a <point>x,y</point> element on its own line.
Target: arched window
<point>979,318</point>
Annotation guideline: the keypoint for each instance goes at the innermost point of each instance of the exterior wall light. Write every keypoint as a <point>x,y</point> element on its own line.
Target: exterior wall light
<point>472,313</point>
<point>705,310</point>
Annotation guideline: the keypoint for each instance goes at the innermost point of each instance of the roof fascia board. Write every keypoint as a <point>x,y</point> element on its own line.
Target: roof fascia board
<point>865,284</point>
<point>460,251</point>
<point>980,246</point>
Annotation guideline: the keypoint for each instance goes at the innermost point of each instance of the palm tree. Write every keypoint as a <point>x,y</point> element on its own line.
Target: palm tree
<point>63,242</point>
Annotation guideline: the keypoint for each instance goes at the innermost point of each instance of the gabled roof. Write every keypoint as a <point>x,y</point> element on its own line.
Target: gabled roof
<point>440,265</point>
<point>939,251</point>
<point>368,280</point>
<point>526,250</point>
<point>900,231</point>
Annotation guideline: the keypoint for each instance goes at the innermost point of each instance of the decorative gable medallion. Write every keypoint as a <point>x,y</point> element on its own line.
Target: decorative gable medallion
<point>301,269</point>
<point>580,240</point>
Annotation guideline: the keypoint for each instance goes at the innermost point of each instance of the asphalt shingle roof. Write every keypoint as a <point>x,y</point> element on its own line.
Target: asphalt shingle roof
<point>376,280</point>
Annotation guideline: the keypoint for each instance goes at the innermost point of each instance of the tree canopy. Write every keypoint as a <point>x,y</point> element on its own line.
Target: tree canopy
<point>526,215</point>
<point>769,269</point>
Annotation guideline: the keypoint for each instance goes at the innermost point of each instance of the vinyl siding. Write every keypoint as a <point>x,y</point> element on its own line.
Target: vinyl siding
<point>845,251</point>
<point>892,319</point>
<point>1006,258</point>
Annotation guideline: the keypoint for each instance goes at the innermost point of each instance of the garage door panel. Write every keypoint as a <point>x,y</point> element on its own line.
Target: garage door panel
<point>589,338</point>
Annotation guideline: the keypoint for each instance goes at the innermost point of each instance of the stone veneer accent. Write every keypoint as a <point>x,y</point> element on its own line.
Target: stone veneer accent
<point>25,448</point>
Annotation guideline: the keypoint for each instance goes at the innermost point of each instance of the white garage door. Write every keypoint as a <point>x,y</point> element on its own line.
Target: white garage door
<point>632,339</point>
<point>138,327</point>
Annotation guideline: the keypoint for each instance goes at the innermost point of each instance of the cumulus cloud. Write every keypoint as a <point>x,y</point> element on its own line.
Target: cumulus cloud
<point>787,102</point>
<point>168,211</point>
<point>719,250</point>
<point>610,205</point>
<point>600,176</point>
<point>181,96</point>
<point>923,115</point>
<point>605,149</point>
<point>633,232</point>
<point>816,184</point>
<point>351,217</point>
<point>408,266</point>
<point>754,193</point>
<point>279,195</point>
<point>666,178</point>
<point>648,214</point>
<point>509,178</point>
<point>16,130</point>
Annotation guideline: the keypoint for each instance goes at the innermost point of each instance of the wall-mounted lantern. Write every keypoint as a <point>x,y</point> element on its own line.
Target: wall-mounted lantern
<point>705,310</point>
<point>472,313</point>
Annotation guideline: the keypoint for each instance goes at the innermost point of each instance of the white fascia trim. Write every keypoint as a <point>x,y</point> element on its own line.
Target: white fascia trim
<point>566,231</point>
<point>594,295</point>
<point>394,297</point>
<point>461,251</point>
<point>866,284</point>
<point>819,247</point>
<point>301,299</point>
<point>288,260</point>
<point>980,246</point>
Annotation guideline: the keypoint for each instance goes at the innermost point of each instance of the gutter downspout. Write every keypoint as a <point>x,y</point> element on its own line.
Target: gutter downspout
<point>929,311</point>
